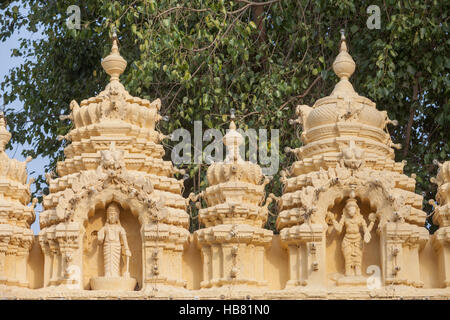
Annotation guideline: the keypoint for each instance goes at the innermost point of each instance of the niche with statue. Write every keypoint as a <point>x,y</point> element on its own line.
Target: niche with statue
<point>352,243</point>
<point>113,259</point>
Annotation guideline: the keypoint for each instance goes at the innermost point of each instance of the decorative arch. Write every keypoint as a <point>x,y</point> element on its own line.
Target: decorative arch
<point>377,196</point>
<point>109,182</point>
<point>87,206</point>
<point>325,188</point>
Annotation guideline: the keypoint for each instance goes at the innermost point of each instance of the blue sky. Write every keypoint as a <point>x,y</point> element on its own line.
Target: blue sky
<point>36,166</point>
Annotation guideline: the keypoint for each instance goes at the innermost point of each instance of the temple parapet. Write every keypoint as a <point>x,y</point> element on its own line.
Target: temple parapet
<point>346,203</point>
<point>16,217</point>
<point>233,241</point>
<point>115,222</point>
<point>441,217</point>
<point>113,188</point>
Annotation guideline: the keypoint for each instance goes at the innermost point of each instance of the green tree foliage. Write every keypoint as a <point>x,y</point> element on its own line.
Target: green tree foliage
<point>205,57</point>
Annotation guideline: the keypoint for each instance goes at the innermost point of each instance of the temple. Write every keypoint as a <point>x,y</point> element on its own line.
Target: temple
<point>347,158</point>
<point>233,233</point>
<point>16,237</point>
<point>115,223</point>
<point>114,157</point>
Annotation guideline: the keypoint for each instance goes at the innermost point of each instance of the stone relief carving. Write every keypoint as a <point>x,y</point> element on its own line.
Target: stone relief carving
<point>352,244</point>
<point>110,172</point>
<point>115,244</point>
<point>114,153</point>
<point>113,237</point>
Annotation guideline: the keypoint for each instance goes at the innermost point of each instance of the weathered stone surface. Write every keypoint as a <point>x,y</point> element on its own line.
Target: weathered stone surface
<point>114,224</point>
<point>16,237</point>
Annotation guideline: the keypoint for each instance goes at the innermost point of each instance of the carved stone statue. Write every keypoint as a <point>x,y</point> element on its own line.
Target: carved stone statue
<point>115,245</point>
<point>352,244</point>
<point>114,239</point>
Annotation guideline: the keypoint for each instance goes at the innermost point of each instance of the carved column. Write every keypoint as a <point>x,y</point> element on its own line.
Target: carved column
<point>162,258</point>
<point>441,244</point>
<point>11,257</point>
<point>414,245</point>
<point>55,257</point>
<point>5,236</point>
<point>306,248</point>
<point>45,247</point>
<point>23,251</point>
<point>393,256</point>
<point>68,238</point>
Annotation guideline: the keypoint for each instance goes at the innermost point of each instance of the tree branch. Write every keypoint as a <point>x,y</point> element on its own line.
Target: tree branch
<point>412,111</point>
<point>303,94</point>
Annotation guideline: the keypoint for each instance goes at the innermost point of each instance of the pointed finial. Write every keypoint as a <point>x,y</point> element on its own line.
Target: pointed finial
<point>232,116</point>
<point>232,113</point>
<point>343,43</point>
<point>2,119</point>
<point>232,140</point>
<point>5,135</point>
<point>115,46</point>
<point>114,64</point>
<point>343,65</point>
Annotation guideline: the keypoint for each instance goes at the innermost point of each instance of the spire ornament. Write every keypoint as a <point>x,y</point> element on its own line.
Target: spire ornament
<point>232,140</point>
<point>114,64</point>
<point>343,67</point>
<point>5,135</point>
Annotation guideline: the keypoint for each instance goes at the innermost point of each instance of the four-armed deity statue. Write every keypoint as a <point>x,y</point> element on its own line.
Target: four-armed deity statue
<point>352,243</point>
<point>115,246</point>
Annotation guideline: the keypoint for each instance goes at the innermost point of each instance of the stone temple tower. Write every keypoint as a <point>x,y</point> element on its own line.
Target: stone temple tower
<point>344,183</point>
<point>114,184</point>
<point>16,237</point>
<point>233,242</point>
<point>441,217</point>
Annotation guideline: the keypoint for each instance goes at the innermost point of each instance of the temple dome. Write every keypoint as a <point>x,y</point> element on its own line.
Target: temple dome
<point>114,111</point>
<point>344,116</point>
<point>344,103</point>
<point>234,168</point>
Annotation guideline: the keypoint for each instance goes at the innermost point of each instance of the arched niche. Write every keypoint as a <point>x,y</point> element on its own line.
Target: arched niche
<point>370,199</point>
<point>377,198</point>
<point>92,214</point>
<point>371,254</point>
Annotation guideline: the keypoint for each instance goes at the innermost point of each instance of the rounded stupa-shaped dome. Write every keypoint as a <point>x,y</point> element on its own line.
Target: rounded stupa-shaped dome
<point>341,117</point>
<point>235,188</point>
<point>234,168</point>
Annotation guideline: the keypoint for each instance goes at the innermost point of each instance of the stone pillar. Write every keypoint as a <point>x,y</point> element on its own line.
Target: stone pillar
<point>393,257</point>
<point>295,269</point>
<point>23,251</point>
<point>5,236</point>
<point>441,244</point>
<point>415,243</point>
<point>11,258</point>
<point>45,247</point>
<point>259,252</point>
<point>68,237</point>
<point>55,257</point>
<point>306,250</point>
<point>206,255</point>
<point>163,247</point>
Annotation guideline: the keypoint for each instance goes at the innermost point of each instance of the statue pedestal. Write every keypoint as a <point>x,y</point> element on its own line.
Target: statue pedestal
<point>352,281</point>
<point>113,283</point>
